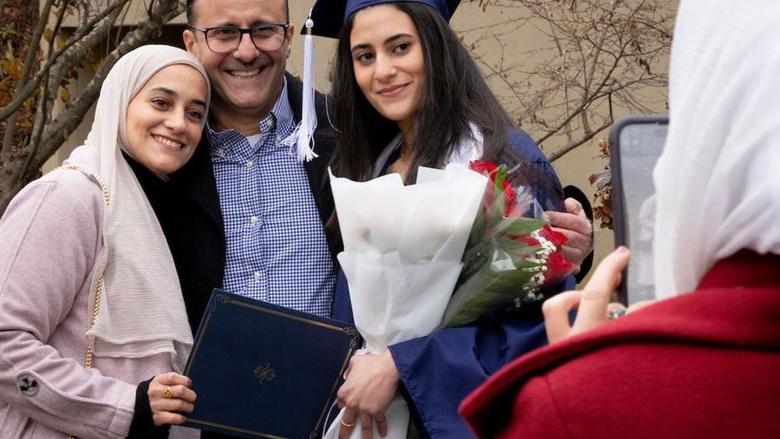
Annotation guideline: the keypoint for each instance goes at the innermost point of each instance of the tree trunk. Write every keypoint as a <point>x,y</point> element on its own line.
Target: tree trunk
<point>16,29</point>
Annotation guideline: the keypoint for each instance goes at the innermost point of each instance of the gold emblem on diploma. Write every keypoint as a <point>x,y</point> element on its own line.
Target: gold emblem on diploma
<point>265,373</point>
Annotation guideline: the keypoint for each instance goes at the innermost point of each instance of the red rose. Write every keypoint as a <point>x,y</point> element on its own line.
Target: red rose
<point>510,201</point>
<point>492,171</point>
<point>557,268</point>
<point>487,168</point>
<point>551,235</point>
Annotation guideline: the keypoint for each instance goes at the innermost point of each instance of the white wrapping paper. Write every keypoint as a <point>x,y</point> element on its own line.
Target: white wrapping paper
<point>403,247</point>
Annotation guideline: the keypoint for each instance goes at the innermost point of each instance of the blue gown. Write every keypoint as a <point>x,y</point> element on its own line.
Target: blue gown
<point>439,370</point>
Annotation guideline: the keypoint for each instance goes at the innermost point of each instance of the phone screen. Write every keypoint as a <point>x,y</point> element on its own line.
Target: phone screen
<point>635,145</point>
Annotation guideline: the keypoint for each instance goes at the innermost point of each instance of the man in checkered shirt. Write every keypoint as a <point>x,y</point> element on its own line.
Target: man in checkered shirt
<point>244,214</point>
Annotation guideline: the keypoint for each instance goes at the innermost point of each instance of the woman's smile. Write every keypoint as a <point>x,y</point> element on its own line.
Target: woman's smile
<point>392,91</point>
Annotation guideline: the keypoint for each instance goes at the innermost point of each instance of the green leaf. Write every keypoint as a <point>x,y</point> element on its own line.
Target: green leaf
<point>500,201</point>
<point>500,178</point>
<point>520,226</point>
<point>513,247</point>
<point>495,213</point>
<point>484,293</point>
<point>477,230</point>
<point>474,258</point>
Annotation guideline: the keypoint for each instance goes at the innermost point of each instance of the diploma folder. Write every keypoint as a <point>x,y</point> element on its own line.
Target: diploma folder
<point>261,370</point>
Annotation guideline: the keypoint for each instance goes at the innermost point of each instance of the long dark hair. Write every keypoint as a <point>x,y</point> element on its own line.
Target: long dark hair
<point>454,95</point>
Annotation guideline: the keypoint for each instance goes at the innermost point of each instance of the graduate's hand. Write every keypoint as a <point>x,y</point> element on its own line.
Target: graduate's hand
<point>372,382</point>
<point>592,302</point>
<point>170,396</point>
<point>577,229</point>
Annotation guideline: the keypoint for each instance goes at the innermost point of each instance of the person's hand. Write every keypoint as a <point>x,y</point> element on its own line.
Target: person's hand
<point>592,301</point>
<point>577,229</point>
<point>170,396</point>
<point>372,382</point>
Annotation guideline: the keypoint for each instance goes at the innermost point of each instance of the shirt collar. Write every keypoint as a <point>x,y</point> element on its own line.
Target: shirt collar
<point>279,122</point>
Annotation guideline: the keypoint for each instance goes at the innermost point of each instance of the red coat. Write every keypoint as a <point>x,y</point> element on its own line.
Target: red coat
<point>700,365</point>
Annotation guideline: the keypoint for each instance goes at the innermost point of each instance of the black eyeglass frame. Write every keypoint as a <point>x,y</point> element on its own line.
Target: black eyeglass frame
<point>241,32</point>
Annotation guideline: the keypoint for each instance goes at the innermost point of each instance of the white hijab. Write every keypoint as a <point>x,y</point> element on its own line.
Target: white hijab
<point>718,179</point>
<point>141,311</point>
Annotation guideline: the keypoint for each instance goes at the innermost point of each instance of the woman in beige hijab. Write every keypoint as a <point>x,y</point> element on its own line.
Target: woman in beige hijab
<point>90,304</point>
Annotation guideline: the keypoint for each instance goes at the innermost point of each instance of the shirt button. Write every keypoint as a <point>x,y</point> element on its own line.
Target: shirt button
<point>254,219</point>
<point>257,275</point>
<point>28,385</point>
<point>271,124</point>
<point>249,163</point>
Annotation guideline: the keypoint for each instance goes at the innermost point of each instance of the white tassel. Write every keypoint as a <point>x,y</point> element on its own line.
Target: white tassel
<point>303,135</point>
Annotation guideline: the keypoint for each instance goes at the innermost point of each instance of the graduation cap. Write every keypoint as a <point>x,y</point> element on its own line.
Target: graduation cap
<point>329,15</point>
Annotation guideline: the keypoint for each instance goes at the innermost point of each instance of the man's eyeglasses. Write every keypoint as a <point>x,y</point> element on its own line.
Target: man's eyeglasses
<point>224,39</point>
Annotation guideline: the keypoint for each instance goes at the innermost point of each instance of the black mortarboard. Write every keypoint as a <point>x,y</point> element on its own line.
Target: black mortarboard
<point>330,15</point>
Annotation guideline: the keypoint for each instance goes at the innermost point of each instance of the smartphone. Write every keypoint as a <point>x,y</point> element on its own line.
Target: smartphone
<point>635,143</point>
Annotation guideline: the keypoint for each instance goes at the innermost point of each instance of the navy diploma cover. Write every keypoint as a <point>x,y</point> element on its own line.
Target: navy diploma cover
<point>261,370</point>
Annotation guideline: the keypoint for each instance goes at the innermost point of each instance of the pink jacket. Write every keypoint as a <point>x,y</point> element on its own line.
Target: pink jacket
<point>50,235</point>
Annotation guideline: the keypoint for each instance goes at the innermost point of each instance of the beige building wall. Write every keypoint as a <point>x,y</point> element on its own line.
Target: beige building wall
<point>574,168</point>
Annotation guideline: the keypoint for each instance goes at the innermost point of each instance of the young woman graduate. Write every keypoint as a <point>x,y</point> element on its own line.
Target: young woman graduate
<point>90,304</point>
<point>402,76</point>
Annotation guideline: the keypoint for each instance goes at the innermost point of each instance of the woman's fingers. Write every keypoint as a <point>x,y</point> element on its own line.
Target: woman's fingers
<point>163,418</point>
<point>556,314</point>
<point>591,302</point>
<point>180,392</point>
<point>366,426</point>
<point>594,299</point>
<point>349,423</point>
<point>639,305</point>
<point>381,425</point>
<point>173,378</point>
<point>367,393</point>
<point>176,392</point>
<point>169,397</point>
<point>171,405</point>
<point>348,420</point>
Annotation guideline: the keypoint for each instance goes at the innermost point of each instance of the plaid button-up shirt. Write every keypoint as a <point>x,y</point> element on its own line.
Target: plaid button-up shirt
<point>276,246</point>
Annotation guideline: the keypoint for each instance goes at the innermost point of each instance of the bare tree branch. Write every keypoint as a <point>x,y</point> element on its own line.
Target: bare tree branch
<point>45,99</point>
<point>60,128</point>
<point>29,60</point>
<point>581,141</point>
<point>32,84</point>
<point>595,54</point>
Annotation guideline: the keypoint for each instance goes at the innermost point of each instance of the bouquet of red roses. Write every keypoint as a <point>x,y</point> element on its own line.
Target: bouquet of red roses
<point>509,257</point>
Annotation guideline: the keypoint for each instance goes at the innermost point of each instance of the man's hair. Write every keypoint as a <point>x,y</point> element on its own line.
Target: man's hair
<point>191,12</point>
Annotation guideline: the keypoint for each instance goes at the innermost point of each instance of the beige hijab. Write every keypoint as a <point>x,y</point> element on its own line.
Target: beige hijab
<point>141,311</point>
<point>718,178</point>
